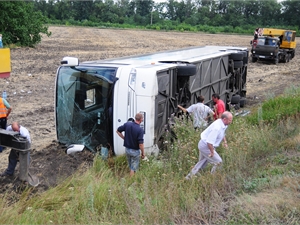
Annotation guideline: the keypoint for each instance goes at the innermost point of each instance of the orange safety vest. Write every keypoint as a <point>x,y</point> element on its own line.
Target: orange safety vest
<point>3,110</point>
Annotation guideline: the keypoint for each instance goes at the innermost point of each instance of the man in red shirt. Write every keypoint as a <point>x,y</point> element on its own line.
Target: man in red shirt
<point>219,107</point>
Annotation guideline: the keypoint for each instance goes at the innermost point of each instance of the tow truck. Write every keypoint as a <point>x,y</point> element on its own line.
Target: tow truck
<point>275,45</point>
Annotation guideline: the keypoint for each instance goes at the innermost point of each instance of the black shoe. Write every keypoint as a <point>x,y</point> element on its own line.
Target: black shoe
<point>4,174</point>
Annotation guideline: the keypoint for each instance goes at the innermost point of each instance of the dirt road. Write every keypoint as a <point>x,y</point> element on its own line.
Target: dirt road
<point>30,88</point>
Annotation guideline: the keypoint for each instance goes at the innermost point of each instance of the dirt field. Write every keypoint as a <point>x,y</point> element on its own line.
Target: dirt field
<point>30,88</point>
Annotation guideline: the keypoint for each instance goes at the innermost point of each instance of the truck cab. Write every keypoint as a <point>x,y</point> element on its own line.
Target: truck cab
<point>266,48</point>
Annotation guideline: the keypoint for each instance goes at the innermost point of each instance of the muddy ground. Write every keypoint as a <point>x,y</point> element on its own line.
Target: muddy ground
<point>30,88</point>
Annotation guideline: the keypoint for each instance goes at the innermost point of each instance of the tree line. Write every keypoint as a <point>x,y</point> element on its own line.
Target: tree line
<point>23,22</point>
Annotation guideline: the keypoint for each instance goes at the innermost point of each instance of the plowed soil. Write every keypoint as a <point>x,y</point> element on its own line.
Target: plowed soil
<point>30,87</point>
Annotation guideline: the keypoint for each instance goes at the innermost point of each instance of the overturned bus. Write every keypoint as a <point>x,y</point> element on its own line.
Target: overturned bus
<point>93,98</point>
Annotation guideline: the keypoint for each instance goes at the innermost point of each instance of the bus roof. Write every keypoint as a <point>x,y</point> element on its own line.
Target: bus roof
<point>188,55</point>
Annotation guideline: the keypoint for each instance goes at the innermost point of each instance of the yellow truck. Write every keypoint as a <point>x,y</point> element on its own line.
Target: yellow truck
<point>5,65</point>
<point>277,45</point>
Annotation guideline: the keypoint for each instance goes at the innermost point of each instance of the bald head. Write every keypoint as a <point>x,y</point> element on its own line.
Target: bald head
<point>227,117</point>
<point>15,126</point>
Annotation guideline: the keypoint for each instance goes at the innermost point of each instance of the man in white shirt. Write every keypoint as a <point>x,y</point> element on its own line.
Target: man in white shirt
<point>199,111</point>
<point>211,138</point>
<point>14,154</point>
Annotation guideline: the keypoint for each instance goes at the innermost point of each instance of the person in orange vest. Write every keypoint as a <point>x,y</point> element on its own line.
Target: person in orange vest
<point>5,110</point>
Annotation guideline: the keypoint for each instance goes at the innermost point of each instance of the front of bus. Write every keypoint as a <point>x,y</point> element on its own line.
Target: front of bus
<point>83,103</point>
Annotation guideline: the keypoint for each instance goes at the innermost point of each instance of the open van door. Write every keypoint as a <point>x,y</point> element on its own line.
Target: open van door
<point>5,66</point>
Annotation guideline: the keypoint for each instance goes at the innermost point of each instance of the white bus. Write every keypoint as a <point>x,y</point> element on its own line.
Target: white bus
<point>94,98</point>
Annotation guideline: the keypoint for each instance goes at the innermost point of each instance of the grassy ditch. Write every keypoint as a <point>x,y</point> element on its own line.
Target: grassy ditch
<point>258,183</point>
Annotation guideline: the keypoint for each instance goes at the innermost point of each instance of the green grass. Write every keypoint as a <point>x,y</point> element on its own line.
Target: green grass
<point>276,109</point>
<point>258,183</point>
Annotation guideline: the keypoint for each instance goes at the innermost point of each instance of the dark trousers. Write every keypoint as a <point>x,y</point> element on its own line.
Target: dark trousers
<point>3,124</point>
<point>13,159</point>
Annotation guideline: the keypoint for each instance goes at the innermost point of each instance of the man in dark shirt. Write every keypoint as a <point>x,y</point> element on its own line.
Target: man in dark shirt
<point>133,142</point>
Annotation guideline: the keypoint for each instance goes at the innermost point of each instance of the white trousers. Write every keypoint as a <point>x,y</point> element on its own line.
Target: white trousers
<point>204,158</point>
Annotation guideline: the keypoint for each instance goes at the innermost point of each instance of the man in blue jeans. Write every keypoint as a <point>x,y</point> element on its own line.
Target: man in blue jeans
<point>133,142</point>
<point>14,154</point>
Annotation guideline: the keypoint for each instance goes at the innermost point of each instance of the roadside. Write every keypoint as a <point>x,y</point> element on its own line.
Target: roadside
<point>30,88</point>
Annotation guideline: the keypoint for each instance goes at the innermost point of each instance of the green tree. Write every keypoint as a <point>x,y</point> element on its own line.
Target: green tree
<point>123,9</point>
<point>291,11</point>
<point>251,12</point>
<point>208,12</point>
<point>143,11</point>
<point>42,6</point>
<point>82,9</point>
<point>21,24</point>
<point>108,12</point>
<point>63,10</point>
<point>269,12</point>
<point>178,11</point>
<point>171,7</point>
<point>159,8</point>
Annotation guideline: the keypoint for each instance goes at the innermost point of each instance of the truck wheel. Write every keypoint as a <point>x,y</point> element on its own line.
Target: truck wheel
<point>238,64</point>
<point>238,56</point>
<point>235,99</point>
<point>254,59</point>
<point>288,57</point>
<point>186,70</point>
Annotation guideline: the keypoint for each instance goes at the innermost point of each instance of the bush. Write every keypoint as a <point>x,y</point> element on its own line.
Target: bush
<point>21,24</point>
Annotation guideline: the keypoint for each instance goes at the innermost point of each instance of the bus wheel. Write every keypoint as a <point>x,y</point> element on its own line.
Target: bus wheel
<point>186,70</point>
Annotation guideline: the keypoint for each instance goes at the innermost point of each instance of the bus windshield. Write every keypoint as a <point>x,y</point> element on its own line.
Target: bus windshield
<point>84,105</point>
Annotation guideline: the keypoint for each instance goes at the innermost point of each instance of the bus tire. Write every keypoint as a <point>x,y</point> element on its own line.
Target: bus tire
<point>242,102</point>
<point>237,56</point>
<point>235,99</point>
<point>238,64</point>
<point>186,70</point>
